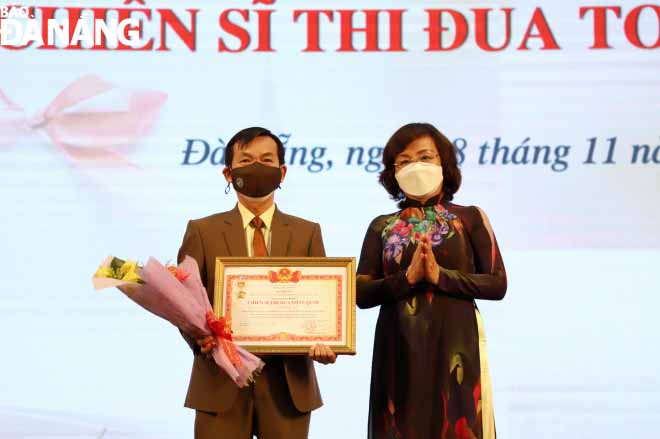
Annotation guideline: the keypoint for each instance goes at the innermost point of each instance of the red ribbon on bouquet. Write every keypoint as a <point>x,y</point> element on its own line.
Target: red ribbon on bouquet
<point>219,327</point>
<point>221,330</point>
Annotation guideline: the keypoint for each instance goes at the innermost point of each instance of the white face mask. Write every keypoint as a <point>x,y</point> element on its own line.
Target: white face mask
<point>419,179</point>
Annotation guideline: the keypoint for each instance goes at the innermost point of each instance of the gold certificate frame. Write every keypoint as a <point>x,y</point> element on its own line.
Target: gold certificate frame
<point>287,305</point>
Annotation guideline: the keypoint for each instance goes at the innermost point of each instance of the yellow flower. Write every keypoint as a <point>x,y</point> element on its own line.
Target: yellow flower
<point>104,272</point>
<point>126,267</point>
<point>128,271</point>
<point>132,276</point>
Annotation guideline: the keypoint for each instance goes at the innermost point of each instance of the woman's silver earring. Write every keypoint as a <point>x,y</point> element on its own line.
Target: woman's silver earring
<point>227,189</point>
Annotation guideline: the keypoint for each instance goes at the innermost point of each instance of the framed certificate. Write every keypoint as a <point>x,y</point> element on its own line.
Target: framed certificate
<point>287,305</point>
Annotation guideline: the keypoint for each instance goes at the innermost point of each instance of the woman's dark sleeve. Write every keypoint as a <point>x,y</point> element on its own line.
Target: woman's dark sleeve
<point>489,281</point>
<point>373,288</point>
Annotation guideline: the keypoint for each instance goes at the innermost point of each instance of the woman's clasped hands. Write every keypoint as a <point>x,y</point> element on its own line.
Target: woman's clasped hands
<point>423,265</point>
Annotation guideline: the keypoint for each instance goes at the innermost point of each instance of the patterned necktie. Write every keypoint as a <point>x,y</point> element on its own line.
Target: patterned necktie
<point>258,242</point>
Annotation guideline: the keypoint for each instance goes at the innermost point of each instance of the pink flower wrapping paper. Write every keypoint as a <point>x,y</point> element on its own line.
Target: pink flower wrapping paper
<point>185,304</point>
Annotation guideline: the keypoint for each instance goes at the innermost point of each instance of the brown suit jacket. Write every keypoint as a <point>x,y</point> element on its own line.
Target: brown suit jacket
<point>222,234</point>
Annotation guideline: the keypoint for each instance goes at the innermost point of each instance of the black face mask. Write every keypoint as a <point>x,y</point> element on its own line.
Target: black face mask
<point>256,180</point>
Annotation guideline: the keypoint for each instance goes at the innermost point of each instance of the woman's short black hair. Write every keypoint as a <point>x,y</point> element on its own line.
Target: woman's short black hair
<point>247,135</point>
<point>403,137</point>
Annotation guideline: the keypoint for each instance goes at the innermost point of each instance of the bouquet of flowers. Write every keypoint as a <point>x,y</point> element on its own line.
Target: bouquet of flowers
<point>177,295</point>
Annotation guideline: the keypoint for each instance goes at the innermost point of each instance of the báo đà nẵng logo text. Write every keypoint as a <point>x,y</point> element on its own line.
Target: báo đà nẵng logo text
<point>19,28</point>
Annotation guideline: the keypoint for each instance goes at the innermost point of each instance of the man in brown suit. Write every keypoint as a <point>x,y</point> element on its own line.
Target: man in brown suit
<point>279,403</point>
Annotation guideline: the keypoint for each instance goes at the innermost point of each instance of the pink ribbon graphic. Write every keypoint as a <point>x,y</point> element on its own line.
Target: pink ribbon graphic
<point>90,119</point>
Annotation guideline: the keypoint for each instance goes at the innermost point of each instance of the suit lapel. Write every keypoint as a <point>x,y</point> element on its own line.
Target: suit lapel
<point>234,233</point>
<point>280,235</point>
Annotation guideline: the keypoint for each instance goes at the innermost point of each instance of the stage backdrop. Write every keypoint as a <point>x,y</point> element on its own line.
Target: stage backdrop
<point>110,147</point>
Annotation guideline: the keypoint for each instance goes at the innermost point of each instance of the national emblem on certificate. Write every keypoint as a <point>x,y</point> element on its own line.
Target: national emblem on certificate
<point>287,305</point>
